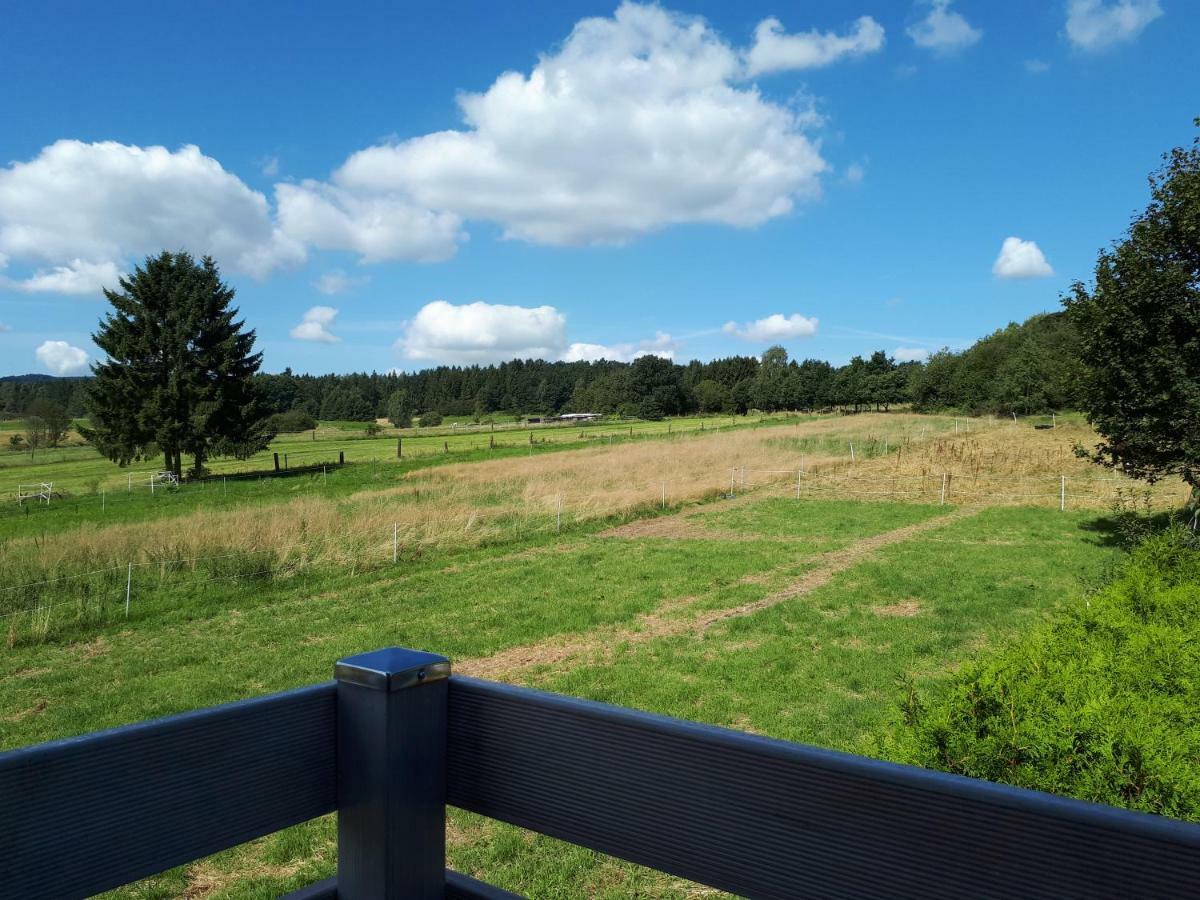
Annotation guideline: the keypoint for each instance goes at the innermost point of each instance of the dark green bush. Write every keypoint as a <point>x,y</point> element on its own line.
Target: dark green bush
<point>292,421</point>
<point>1102,702</point>
<point>430,419</point>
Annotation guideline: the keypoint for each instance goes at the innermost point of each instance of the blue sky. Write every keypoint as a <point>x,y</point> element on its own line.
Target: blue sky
<point>695,179</point>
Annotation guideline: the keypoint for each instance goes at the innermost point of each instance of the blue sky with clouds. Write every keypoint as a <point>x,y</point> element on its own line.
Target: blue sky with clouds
<point>401,185</point>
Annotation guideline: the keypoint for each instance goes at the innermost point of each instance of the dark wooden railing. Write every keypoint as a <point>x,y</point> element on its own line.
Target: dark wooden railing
<point>394,740</point>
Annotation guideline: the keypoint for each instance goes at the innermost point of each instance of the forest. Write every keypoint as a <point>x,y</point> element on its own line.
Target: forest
<point>1026,368</point>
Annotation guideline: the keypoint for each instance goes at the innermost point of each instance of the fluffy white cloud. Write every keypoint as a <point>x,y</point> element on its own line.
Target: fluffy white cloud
<point>943,30</point>
<point>662,344</point>
<point>316,324</point>
<point>61,358</point>
<point>911,354</point>
<point>335,281</point>
<point>377,226</point>
<point>86,210</point>
<point>483,333</point>
<point>774,50</point>
<point>1021,259</point>
<point>777,327</point>
<point>76,277</point>
<point>635,123</point>
<point>1095,25</point>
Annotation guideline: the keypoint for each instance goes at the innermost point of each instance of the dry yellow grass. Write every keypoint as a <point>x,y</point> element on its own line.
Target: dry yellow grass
<point>988,462</point>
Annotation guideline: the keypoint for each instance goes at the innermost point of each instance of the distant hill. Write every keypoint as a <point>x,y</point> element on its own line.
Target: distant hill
<point>34,377</point>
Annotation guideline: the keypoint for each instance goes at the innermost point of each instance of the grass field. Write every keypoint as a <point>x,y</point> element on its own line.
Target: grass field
<point>743,602</point>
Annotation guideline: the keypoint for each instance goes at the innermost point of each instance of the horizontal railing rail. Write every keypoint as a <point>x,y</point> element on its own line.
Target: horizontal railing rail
<point>394,740</point>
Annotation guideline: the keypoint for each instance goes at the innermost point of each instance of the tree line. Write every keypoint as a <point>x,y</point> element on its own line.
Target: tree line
<point>1025,368</point>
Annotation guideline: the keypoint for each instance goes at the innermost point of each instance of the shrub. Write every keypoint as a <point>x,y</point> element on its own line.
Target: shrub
<point>1102,702</point>
<point>292,421</point>
<point>430,419</point>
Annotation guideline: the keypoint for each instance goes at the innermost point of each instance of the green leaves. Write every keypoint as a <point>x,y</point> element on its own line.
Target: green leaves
<point>1139,328</point>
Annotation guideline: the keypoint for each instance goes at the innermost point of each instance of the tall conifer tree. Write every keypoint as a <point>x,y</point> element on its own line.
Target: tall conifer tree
<point>179,369</point>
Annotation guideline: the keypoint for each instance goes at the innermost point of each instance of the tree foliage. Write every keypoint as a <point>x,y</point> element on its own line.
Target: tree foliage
<point>1139,333</point>
<point>179,367</point>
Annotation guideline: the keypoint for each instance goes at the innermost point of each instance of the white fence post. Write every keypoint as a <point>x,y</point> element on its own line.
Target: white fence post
<point>664,495</point>
<point>852,451</point>
<point>798,473</point>
<point>942,502</point>
<point>732,481</point>
<point>1062,493</point>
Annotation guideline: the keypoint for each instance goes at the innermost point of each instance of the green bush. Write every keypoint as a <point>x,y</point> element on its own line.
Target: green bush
<point>1102,702</point>
<point>430,419</point>
<point>291,422</point>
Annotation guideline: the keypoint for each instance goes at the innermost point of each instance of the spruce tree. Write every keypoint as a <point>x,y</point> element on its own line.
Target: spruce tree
<point>179,369</point>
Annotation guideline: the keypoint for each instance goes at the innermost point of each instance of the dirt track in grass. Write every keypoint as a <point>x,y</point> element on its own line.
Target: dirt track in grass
<point>665,621</point>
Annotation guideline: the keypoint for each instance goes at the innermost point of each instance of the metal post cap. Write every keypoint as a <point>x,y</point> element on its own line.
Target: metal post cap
<point>392,668</point>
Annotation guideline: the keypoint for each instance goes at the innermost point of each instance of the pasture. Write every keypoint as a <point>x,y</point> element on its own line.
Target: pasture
<point>768,578</point>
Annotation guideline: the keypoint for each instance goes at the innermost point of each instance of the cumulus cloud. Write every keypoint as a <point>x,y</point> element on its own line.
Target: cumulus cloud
<point>335,281</point>
<point>635,123</point>
<point>61,358</point>
<point>777,327</point>
<point>943,30</point>
<point>87,210</point>
<point>377,226</point>
<point>316,324</point>
<point>774,50</point>
<point>911,354</point>
<point>1021,259</point>
<point>76,277</point>
<point>483,333</point>
<point>1095,25</point>
<point>662,344</point>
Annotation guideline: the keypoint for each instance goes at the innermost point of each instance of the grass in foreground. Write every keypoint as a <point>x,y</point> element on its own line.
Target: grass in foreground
<point>820,667</point>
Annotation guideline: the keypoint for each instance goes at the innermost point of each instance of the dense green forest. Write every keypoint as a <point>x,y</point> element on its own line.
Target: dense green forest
<point>1026,368</point>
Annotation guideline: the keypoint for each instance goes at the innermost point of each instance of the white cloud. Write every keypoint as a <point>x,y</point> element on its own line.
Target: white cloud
<point>1021,259</point>
<point>483,333</point>
<point>1095,25</point>
<point>1036,66</point>
<point>634,123</point>
<point>61,358</point>
<point>76,277</point>
<point>855,173</point>
<point>87,210</point>
<point>270,166</point>
<point>943,30</point>
<point>662,344</point>
<point>774,50</point>
<point>777,327</point>
<point>335,281</point>
<point>378,227</point>
<point>316,324</point>
<point>911,354</point>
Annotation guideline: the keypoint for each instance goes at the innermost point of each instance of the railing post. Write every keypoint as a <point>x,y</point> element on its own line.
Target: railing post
<point>391,775</point>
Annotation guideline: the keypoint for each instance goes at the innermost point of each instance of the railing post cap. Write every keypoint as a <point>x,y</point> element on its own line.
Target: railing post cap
<point>392,669</point>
